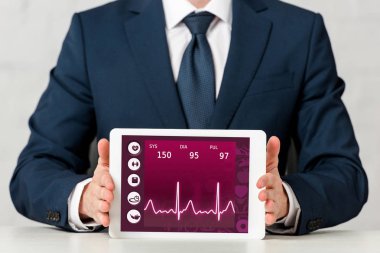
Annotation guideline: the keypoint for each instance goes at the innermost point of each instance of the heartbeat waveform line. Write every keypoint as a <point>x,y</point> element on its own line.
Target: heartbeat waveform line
<point>178,211</point>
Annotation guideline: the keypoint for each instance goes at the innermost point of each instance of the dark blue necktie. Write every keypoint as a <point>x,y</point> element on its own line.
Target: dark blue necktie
<point>196,79</point>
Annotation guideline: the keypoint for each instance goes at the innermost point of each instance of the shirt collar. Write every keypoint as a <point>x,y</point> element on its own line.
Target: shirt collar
<point>176,10</point>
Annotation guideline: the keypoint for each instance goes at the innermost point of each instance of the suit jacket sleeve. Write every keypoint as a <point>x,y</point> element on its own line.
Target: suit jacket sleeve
<point>331,185</point>
<point>62,127</point>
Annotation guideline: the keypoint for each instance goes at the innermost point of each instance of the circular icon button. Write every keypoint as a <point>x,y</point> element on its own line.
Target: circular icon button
<point>133,216</point>
<point>134,148</point>
<point>134,198</point>
<point>134,164</point>
<point>133,180</point>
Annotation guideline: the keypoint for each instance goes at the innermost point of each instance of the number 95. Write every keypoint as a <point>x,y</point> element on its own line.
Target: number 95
<point>194,155</point>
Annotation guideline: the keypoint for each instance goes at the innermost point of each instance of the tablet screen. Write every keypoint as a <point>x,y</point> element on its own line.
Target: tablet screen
<point>184,184</point>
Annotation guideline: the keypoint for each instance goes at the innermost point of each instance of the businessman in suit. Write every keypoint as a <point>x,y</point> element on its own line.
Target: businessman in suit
<point>215,64</point>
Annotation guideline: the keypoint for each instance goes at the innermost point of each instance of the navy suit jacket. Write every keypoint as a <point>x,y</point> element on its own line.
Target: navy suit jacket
<point>114,71</point>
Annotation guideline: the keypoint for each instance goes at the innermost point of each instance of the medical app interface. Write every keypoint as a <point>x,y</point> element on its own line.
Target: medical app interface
<point>184,184</point>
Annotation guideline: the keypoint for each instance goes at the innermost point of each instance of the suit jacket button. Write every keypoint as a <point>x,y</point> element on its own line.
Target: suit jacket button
<point>311,225</point>
<point>57,216</point>
<point>318,222</point>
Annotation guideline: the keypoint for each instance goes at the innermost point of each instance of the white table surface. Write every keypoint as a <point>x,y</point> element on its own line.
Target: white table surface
<point>48,239</point>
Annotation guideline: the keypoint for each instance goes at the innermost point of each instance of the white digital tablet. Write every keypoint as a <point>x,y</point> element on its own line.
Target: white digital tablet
<point>173,183</point>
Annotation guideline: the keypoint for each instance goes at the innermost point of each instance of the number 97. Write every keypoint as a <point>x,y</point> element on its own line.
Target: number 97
<point>223,155</point>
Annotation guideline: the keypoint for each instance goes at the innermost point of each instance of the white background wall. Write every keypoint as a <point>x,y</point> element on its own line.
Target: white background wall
<point>31,34</point>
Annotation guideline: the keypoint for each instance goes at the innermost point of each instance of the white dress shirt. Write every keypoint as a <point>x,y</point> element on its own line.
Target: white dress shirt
<point>178,37</point>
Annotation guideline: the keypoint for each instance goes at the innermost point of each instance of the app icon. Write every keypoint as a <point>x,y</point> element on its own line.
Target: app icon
<point>133,180</point>
<point>134,198</point>
<point>133,216</point>
<point>134,148</point>
<point>134,164</point>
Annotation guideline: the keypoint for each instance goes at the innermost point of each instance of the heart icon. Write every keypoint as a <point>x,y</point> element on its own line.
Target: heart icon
<point>241,190</point>
<point>135,148</point>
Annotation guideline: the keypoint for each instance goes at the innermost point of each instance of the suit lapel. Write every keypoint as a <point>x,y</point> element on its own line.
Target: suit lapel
<point>145,28</point>
<point>249,38</point>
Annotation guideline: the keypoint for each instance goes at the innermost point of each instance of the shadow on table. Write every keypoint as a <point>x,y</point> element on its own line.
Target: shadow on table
<point>101,242</point>
<point>320,234</point>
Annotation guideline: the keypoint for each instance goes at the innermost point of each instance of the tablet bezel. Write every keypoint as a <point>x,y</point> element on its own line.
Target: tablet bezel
<point>257,167</point>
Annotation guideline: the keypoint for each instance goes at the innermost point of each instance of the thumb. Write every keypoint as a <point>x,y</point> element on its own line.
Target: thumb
<point>104,152</point>
<point>273,150</point>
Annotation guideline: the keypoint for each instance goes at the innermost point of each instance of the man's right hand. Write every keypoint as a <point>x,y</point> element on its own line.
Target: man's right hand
<point>98,195</point>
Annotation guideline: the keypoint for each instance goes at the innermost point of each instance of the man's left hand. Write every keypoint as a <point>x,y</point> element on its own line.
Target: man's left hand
<point>274,194</point>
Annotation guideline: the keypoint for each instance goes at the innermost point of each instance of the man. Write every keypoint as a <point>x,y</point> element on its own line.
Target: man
<point>219,64</point>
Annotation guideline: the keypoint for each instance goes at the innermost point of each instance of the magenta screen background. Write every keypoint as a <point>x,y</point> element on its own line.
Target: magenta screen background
<point>197,179</point>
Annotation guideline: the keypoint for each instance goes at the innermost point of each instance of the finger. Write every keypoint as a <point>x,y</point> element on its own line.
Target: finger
<point>267,194</point>
<point>103,206</point>
<point>270,219</point>
<point>103,193</point>
<point>262,195</point>
<point>106,181</point>
<point>102,218</point>
<point>97,218</point>
<point>104,152</point>
<point>267,181</point>
<point>270,206</point>
<point>273,150</point>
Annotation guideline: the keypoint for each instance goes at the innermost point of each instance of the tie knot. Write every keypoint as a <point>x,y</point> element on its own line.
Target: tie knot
<point>198,23</point>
